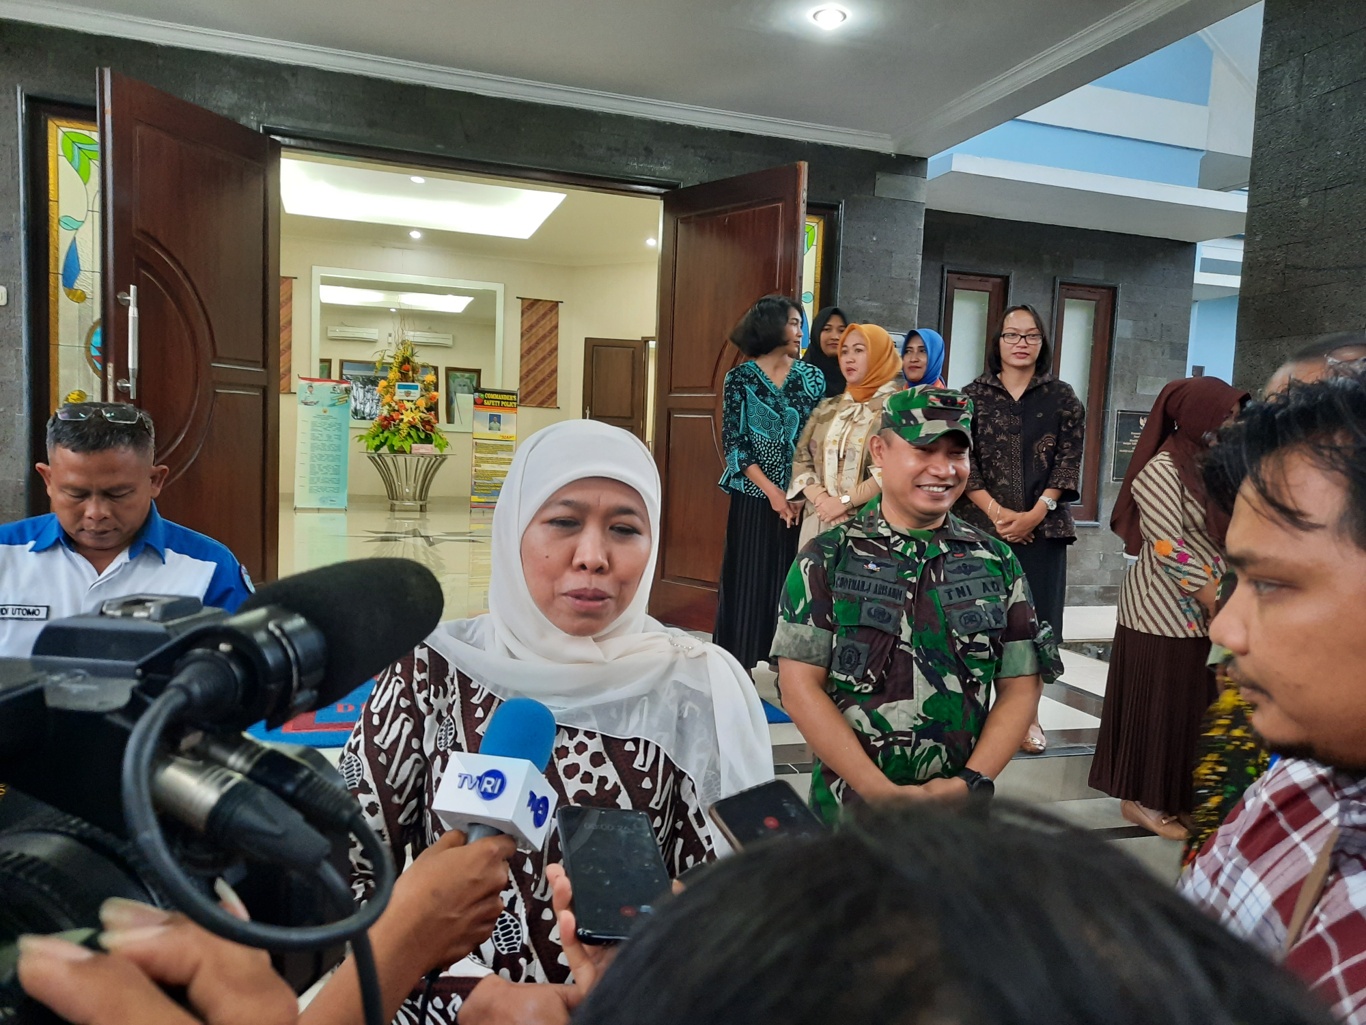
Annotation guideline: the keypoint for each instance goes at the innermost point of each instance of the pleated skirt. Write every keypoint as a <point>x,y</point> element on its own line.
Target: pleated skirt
<point>1155,697</point>
<point>759,552</point>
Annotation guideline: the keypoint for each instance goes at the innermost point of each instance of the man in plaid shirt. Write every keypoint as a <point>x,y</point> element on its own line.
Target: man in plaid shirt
<point>1287,871</point>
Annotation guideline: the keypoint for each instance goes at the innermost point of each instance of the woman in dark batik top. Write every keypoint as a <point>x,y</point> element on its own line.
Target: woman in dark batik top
<point>1028,429</point>
<point>649,717</point>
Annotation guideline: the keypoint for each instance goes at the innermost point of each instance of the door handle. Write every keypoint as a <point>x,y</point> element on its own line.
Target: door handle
<point>129,384</point>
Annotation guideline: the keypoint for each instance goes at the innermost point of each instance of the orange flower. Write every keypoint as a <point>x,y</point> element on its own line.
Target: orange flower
<point>406,367</point>
<point>1163,547</point>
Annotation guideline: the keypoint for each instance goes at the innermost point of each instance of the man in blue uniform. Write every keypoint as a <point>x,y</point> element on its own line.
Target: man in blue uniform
<point>104,538</point>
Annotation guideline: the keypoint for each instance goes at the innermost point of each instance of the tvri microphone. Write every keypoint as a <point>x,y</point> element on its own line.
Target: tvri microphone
<point>503,789</point>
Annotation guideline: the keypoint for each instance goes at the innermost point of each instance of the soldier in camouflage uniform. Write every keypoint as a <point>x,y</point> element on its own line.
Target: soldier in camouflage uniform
<point>895,626</point>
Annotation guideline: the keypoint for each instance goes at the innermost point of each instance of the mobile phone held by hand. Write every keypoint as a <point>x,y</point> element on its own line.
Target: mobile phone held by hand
<point>615,868</point>
<point>770,809</point>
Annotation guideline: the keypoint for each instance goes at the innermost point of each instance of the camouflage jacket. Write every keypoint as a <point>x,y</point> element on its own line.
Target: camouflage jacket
<point>914,628</point>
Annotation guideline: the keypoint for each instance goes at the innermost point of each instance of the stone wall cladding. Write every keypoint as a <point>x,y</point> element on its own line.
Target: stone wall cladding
<point>1304,263</point>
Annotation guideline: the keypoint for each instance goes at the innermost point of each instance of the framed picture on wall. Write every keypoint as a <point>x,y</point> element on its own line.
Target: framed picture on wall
<point>325,368</point>
<point>364,380</point>
<point>460,385</point>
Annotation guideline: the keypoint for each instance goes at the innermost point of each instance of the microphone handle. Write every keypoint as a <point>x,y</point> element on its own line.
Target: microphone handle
<point>480,831</point>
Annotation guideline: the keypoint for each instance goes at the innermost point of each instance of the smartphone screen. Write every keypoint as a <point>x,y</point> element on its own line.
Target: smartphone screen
<point>615,868</point>
<point>770,809</point>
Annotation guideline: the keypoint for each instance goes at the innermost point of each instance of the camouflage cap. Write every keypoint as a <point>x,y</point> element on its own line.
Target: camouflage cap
<point>920,415</point>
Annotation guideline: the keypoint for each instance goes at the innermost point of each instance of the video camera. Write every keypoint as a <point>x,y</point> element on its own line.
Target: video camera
<point>124,771</point>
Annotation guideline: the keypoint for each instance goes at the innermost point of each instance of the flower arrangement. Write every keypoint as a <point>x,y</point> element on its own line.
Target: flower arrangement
<point>403,422</point>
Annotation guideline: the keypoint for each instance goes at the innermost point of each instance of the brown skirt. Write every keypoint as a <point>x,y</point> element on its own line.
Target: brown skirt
<point>1156,693</point>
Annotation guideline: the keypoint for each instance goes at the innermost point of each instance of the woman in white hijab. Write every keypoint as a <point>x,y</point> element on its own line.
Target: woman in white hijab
<point>649,717</point>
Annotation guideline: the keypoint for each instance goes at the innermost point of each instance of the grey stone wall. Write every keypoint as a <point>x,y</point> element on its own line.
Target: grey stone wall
<point>1304,265</point>
<point>881,195</point>
<point>1153,278</point>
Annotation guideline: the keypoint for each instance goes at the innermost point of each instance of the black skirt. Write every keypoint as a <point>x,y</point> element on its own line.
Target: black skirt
<point>1155,697</point>
<point>1044,561</point>
<point>759,552</point>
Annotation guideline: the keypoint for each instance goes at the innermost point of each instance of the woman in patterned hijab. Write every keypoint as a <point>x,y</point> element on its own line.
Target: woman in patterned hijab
<point>649,717</point>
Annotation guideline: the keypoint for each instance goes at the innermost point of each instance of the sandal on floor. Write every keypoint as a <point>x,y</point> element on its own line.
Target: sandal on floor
<point>1035,743</point>
<point>1166,826</point>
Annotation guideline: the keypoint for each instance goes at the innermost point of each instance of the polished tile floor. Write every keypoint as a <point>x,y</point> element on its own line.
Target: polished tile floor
<point>453,542</point>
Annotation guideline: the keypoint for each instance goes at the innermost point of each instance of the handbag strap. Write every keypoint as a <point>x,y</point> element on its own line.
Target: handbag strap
<point>1310,891</point>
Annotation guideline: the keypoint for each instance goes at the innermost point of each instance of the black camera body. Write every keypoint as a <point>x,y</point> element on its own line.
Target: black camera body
<point>66,714</point>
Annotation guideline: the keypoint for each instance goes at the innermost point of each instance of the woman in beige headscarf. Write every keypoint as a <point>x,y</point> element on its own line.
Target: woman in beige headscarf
<point>831,468</point>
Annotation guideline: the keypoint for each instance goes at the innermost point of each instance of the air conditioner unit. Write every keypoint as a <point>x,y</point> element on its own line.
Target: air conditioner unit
<point>429,338</point>
<point>353,334</point>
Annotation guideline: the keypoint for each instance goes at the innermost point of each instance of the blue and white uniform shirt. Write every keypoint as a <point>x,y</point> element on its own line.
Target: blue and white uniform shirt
<point>43,577</point>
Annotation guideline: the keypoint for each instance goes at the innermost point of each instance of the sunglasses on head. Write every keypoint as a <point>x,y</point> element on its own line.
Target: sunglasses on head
<point>114,412</point>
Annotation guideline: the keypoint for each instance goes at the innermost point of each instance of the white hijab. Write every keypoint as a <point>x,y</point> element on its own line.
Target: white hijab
<point>636,678</point>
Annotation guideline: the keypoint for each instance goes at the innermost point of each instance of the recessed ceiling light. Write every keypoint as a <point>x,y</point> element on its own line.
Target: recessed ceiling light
<point>651,242</point>
<point>348,193</point>
<point>831,16</point>
<point>435,302</point>
<point>417,179</point>
<point>414,234</point>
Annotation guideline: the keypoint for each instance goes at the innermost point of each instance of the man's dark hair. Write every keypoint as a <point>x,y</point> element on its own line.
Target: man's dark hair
<point>992,916</point>
<point>1044,362</point>
<point>1324,421</point>
<point>96,434</point>
<point>763,328</point>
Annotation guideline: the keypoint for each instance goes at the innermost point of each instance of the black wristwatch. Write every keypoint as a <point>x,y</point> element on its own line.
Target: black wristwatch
<point>978,784</point>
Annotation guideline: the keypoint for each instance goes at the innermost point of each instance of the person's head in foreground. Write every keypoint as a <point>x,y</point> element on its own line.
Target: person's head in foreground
<point>998,915</point>
<point>100,474</point>
<point>1330,354</point>
<point>1293,470</point>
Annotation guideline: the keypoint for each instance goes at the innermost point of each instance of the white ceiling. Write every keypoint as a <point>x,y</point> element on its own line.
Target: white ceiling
<point>586,229</point>
<point>910,76</point>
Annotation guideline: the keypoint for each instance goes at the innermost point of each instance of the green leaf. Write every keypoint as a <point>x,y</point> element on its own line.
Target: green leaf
<point>68,223</point>
<point>80,151</point>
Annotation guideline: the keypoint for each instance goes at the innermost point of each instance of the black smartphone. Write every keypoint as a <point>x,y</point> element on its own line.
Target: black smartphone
<point>770,809</point>
<point>614,865</point>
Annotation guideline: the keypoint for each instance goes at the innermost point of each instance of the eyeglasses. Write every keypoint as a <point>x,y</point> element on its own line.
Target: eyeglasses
<point>114,412</point>
<point>1011,337</point>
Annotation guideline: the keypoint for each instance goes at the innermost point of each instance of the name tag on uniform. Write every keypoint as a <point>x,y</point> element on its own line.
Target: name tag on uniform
<point>988,585</point>
<point>864,577</point>
<point>28,613</point>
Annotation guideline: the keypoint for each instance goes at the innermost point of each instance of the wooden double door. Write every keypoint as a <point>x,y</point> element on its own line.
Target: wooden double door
<point>192,326</point>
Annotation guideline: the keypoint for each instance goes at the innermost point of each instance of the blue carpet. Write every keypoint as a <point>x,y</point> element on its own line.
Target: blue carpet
<point>327,727</point>
<point>774,714</point>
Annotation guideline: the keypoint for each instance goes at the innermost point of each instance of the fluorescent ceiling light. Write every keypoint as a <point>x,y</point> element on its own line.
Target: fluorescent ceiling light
<point>434,302</point>
<point>831,16</point>
<point>346,193</point>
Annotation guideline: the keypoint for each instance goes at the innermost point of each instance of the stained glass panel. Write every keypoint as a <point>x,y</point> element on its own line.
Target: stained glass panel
<point>75,342</point>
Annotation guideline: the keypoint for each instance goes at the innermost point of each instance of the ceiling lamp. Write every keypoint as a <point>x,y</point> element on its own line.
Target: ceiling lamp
<point>347,192</point>
<point>417,179</point>
<point>432,302</point>
<point>651,242</point>
<point>830,16</point>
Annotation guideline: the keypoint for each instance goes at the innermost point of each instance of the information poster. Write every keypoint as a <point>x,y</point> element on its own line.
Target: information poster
<point>1129,424</point>
<point>495,439</point>
<point>322,437</point>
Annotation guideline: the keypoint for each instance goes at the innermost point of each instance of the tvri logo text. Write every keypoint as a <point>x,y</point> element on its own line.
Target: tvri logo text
<point>490,785</point>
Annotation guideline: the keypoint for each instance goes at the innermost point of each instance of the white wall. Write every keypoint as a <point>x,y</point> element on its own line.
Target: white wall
<point>617,301</point>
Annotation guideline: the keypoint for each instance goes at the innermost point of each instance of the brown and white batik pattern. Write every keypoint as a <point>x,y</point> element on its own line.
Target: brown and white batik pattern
<point>420,711</point>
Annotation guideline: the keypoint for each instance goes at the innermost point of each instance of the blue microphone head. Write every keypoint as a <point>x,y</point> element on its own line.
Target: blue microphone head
<point>521,728</point>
